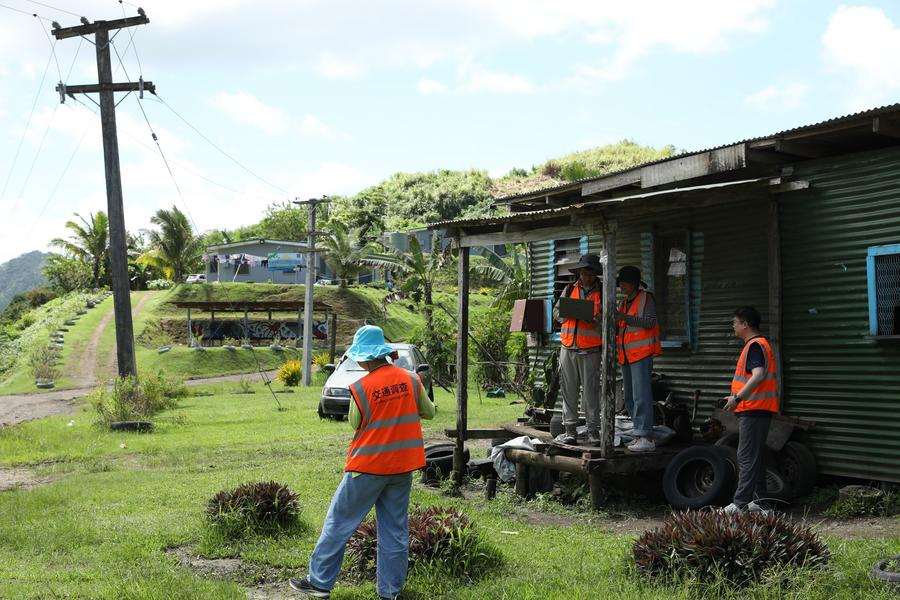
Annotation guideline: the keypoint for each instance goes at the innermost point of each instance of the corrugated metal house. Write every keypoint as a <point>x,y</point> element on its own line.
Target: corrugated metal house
<point>260,261</point>
<point>803,224</point>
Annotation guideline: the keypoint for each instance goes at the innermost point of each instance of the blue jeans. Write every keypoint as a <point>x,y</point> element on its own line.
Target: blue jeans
<point>639,395</point>
<point>355,496</point>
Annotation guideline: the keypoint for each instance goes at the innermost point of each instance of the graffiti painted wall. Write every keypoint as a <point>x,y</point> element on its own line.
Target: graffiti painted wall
<point>256,330</point>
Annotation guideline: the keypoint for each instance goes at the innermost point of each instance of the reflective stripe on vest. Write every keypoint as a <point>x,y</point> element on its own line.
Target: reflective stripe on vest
<point>637,343</point>
<point>765,396</point>
<point>581,334</point>
<point>389,439</point>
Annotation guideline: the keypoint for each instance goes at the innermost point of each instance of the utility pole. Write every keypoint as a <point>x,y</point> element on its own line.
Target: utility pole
<point>308,303</point>
<point>117,240</point>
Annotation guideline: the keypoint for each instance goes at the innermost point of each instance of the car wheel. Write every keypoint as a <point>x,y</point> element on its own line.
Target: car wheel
<point>778,487</point>
<point>698,476</point>
<point>321,412</point>
<point>798,464</point>
<point>431,393</point>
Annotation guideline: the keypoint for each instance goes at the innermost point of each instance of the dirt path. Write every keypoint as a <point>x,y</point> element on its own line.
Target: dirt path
<point>87,364</point>
<point>27,407</point>
<point>112,366</point>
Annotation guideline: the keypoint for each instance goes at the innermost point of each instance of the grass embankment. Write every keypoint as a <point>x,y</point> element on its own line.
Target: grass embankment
<point>102,527</point>
<point>355,305</point>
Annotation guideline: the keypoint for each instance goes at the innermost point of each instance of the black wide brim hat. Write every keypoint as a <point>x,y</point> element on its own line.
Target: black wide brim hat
<point>588,261</point>
<point>630,274</point>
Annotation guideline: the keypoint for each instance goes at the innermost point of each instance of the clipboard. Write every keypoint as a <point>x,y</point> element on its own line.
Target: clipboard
<point>574,308</point>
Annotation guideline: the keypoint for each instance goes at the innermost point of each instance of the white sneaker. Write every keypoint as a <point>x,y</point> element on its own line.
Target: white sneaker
<point>643,445</point>
<point>632,442</point>
<point>756,508</point>
<point>733,509</point>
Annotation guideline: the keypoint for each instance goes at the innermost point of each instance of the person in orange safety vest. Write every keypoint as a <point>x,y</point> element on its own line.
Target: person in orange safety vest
<point>388,405</point>
<point>754,399</point>
<point>580,358</point>
<point>637,342</point>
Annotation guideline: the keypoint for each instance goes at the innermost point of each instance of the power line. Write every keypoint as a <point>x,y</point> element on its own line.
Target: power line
<point>62,10</point>
<point>131,42</point>
<point>19,10</point>
<point>213,144</point>
<point>27,125</point>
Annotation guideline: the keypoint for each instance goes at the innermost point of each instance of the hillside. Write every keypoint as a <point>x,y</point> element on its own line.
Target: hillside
<point>20,275</point>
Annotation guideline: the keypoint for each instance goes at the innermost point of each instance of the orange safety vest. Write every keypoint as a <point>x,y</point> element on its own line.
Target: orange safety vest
<point>581,334</point>
<point>637,343</point>
<point>765,396</point>
<point>389,439</point>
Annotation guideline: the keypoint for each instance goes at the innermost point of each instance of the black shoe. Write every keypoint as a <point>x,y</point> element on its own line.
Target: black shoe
<point>307,589</point>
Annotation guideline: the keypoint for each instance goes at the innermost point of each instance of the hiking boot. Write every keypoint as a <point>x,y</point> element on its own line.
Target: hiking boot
<point>307,589</point>
<point>568,437</point>
<point>594,438</point>
<point>642,445</point>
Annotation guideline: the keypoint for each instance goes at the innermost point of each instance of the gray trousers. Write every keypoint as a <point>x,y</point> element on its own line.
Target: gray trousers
<point>580,373</point>
<point>752,433</point>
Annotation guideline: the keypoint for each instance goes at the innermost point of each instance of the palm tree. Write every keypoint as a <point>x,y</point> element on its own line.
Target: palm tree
<point>420,271</point>
<point>341,254</point>
<point>513,276</point>
<point>174,249</point>
<point>89,242</point>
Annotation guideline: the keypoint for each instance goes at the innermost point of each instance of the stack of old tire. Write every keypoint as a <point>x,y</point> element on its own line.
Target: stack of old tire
<point>706,475</point>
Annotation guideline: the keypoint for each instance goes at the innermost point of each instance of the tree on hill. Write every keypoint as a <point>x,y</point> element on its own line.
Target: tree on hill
<point>419,272</point>
<point>174,249</point>
<point>342,254</point>
<point>512,276</point>
<point>283,221</point>
<point>20,275</point>
<point>89,242</point>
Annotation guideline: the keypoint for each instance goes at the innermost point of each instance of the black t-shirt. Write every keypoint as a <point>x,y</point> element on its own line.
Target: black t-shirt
<point>755,358</point>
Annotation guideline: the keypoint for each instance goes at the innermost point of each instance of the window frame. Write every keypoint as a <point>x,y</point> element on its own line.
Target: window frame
<point>680,341</point>
<point>872,286</point>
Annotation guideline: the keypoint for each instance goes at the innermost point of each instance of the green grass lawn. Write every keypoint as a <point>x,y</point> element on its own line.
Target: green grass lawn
<point>101,527</point>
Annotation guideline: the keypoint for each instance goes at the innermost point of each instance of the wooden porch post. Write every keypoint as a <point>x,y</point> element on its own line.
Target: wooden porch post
<point>608,386</point>
<point>462,365</point>
<point>774,260</point>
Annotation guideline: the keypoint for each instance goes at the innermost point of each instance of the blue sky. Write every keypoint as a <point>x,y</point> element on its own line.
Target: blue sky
<point>323,97</point>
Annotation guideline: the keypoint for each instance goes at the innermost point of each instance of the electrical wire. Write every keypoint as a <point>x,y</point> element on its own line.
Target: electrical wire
<point>213,144</point>
<point>49,124</point>
<point>131,42</point>
<point>27,125</point>
<point>19,10</point>
<point>62,10</point>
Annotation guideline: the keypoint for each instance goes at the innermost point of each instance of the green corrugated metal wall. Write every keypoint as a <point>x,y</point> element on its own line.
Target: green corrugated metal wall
<point>834,373</point>
<point>728,267</point>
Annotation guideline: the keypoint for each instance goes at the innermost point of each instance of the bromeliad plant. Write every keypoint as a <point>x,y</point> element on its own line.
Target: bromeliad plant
<point>266,507</point>
<point>715,546</point>
<point>441,540</point>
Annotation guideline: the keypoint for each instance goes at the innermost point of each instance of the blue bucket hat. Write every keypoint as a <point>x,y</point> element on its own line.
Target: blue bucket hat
<point>368,344</point>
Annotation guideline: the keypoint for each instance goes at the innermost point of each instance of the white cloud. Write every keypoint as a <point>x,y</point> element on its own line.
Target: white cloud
<point>333,66</point>
<point>863,44</point>
<point>776,98</point>
<point>312,126</point>
<point>330,178</point>
<point>476,78</point>
<point>428,87</point>
<point>250,109</point>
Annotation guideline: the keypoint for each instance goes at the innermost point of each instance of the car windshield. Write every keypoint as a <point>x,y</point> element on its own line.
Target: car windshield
<point>404,362</point>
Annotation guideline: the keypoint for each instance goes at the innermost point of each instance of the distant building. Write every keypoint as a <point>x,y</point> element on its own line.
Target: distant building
<point>260,261</point>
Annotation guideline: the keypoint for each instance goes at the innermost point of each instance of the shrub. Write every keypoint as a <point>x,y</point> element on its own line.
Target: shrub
<point>491,329</point>
<point>154,336</point>
<point>43,358</point>
<point>862,501</point>
<point>438,345</point>
<point>160,284</point>
<point>441,539</point>
<point>133,398</point>
<point>738,548</point>
<point>266,507</point>
<point>320,359</point>
<point>290,373</point>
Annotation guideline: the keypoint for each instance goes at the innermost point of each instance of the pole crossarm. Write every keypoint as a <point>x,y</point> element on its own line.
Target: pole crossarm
<point>94,88</point>
<point>69,32</point>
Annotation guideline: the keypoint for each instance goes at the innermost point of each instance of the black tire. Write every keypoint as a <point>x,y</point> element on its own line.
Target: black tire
<point>131,426</point>
<point>798,464</point>
<point>698,476</point>
<point>778,487</point>
<point>431,393</point>
<point>879,572</point>
<point>439,461</point>
<point>320,411</point>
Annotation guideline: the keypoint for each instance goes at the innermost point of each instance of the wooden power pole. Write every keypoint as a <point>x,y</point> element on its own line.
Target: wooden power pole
<point>117,240</point>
